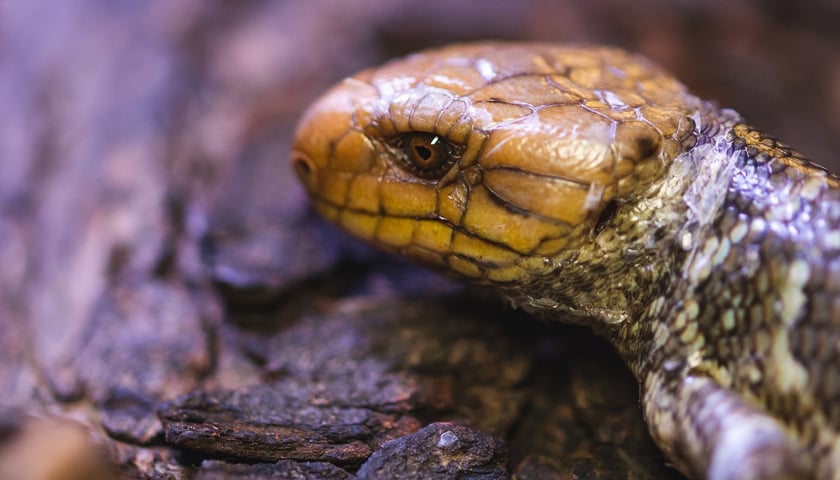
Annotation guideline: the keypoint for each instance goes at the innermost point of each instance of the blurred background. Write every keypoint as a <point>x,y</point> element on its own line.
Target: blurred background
<point>130,131</point>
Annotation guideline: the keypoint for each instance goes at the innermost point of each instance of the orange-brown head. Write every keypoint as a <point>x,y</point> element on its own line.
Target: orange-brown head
<point>490,160</point>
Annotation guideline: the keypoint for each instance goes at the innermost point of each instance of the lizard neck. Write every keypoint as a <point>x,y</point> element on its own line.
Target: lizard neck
<point>760,233</point>
<point>611,281</point>
<point>697,192</point>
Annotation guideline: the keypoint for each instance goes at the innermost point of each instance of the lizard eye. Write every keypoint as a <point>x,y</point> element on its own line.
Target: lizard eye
<point>426,155</point>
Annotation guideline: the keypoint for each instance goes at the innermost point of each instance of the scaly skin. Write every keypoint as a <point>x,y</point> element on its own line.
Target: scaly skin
<point>588,186</point>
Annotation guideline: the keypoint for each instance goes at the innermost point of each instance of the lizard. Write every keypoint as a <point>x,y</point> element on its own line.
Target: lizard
<point>586,185</point>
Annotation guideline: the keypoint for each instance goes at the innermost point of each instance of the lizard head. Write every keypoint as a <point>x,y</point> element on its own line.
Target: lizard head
<point>491,161</point>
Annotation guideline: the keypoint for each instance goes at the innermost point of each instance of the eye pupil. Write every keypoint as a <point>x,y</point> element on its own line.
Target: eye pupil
<point>424,152</point>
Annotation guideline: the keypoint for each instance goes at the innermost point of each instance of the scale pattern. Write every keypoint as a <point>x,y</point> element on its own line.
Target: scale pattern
<point>588,186</point>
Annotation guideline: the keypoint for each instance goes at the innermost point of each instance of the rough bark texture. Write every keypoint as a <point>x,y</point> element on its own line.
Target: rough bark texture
<point>170,308</point>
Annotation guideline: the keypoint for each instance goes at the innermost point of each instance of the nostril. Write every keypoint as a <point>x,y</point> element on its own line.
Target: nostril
<point>304,168</point>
